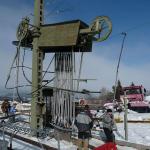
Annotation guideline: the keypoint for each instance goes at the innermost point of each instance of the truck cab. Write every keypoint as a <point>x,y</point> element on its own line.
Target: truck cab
<point>136,98</point>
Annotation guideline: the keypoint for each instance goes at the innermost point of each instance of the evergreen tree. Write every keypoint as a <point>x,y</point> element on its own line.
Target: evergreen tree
<point>132,84</point>
<point>119,91</point>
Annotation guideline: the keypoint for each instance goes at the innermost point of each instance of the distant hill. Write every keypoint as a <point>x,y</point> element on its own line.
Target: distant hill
<point>9,95</point>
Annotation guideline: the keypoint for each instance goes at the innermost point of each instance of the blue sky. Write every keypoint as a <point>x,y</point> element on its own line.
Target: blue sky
<point>131,16</point>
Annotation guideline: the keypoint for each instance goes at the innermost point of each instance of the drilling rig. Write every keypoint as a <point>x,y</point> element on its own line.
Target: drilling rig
<point>54,104</point>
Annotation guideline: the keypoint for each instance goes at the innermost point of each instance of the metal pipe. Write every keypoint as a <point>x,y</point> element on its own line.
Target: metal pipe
<point>125,117</point>
<point>117,71</point>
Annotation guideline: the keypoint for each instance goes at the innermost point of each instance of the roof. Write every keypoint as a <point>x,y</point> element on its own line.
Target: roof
<point>139,104</point>
<point>132,87</point>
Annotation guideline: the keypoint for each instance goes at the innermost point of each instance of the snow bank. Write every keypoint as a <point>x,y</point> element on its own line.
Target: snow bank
<point>147,98</point>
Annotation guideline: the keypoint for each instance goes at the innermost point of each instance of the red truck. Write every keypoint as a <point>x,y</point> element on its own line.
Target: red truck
<point>136,98</point>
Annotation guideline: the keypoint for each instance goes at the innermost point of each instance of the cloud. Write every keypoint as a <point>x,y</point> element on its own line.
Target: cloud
<point>104,70</point>
<point>100,64</point>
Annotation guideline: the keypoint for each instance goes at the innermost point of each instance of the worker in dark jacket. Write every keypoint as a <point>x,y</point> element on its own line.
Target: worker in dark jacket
<point>109,125</point>
<point>84,124</point>
<point>5,107</point>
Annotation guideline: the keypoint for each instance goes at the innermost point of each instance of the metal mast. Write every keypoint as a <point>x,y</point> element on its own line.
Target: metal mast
<point>38,105</point>
<point>63,39</point>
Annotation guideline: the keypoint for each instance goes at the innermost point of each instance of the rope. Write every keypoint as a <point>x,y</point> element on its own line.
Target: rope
<point>62,104</point>
<point>17,59</point>
<point>42,86</point>
<point>23,69</point>
<point>48,67</point>
<point>17,64</point>
<point>78,80</point>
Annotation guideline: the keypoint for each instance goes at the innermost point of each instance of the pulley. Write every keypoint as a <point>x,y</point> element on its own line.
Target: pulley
<point>23,29</point>
<point>24,33</point>
<point>101,28</point>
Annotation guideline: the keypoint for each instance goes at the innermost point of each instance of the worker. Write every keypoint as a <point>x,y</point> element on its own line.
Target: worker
<point>5,107</point>
<point>87,110</point>
<point>84,124</point>
<point>12,112</point>
<point>109,125</point>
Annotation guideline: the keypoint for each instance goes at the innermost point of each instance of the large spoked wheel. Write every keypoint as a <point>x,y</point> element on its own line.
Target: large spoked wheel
<point>101,28</point>
<point>22,30</point>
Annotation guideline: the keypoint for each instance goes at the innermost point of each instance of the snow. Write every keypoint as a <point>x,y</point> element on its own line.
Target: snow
<point>109,105</point>
<point>132,115</point>
<point>20,145</point>
<point>147,98</point>
<point>135,116</point>
<point>138,133</point>
<point>64,145</point>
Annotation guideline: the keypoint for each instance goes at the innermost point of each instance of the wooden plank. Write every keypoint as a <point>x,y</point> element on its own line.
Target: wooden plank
<point>35,143</point>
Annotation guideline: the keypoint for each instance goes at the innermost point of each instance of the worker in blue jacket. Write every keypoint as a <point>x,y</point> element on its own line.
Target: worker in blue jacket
<point>12,112</point>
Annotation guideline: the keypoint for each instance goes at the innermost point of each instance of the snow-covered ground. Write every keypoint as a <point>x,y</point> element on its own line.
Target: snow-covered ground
<point>147,98</point>
<point>134,116</point>
<point>138,133</point>
<point>20,145</point>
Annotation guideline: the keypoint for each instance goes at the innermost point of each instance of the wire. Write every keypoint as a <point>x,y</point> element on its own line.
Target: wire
<point>22,66</point>
<point>19,86</point>
<point>56,11</point>
<point>16,58</point>
<point>31,68</point>
<point>48,67</point>
<point>59,11</point>
<point>81,62</point>
<point>55,8</point>
<point>23,69</point>
<point>17,77</point>
<point>41,86</point>
<point>46,71</point>
<point>131,29</point>
<point>8,77</point>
